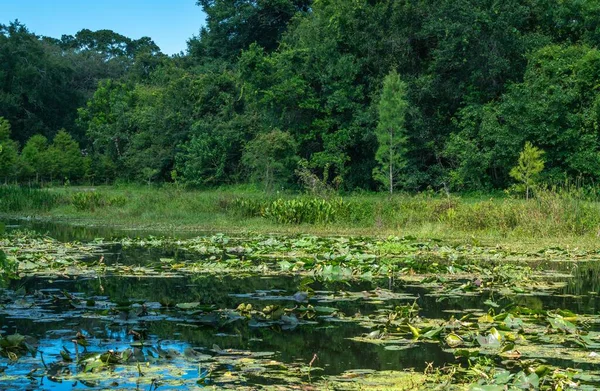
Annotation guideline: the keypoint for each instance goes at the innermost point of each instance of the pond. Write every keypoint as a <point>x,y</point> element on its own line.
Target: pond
<point>270,312</point>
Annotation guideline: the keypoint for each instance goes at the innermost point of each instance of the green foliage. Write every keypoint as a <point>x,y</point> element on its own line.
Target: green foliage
<point>109,44</point>
<point>271,158</point>
<point>531,164</point>
<point>92,200</point>
<point>100,168</point>
<point>306,210</point>
<point>391,134</point>
<point>482,77</point>
<point>8,267</point>
<point>8,152</point>
<point>233,26</point>
<point>315,185</point>
<point>555,107</point>
<point>36,94</point>
<point>136,128</point>
<point>314,90</point>
<point>301,210</point>
<point>64,156</point>
<point>22,199</point>
<point>218,134</point>
<point>35,158</point>
<point>250,207</point>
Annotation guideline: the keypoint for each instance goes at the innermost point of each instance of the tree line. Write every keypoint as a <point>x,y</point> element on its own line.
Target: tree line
<point>363,94</point>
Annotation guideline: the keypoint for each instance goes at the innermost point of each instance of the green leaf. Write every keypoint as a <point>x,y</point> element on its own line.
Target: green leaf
<point>415,331</point>
<point>453,340</point>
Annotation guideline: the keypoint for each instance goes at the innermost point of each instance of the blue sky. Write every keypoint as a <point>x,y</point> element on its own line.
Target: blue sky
<point>168,22</point>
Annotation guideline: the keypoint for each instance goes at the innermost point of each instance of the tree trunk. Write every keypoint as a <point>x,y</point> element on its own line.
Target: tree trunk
<point>391,161</point>
<point>268,178</point>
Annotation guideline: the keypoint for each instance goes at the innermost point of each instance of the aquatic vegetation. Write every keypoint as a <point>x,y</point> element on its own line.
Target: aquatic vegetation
<point>92,200</point>
<point>17,199</point>
<point>8,267</point>
<point>310,210</point>
<point>15,345</point>
<point>338,313</point>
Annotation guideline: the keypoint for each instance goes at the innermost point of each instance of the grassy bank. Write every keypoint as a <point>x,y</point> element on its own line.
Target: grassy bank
<point>550,218</point>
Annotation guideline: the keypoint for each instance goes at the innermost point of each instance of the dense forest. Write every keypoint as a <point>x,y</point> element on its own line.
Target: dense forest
<point>362,94</point>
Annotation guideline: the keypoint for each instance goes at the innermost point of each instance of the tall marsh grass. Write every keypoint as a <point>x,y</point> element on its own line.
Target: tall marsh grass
<point>25,199</point>
<point>551,213</point>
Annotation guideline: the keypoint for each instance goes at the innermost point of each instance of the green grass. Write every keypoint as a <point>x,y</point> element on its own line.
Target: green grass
<point>23,199</point>
<point>560,218</point>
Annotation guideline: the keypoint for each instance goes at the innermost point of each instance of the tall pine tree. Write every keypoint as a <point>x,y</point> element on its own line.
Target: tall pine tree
<point>391,133</point>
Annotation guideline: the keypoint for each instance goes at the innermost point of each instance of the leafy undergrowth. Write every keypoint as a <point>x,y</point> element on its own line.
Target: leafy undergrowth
<point>280,312</point>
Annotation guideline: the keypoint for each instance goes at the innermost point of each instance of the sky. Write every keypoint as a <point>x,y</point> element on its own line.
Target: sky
<point>170,23</point>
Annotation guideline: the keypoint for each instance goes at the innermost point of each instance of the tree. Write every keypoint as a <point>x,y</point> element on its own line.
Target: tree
<point>391,134</point>
<point>34,157</point>
<point>529,167</point>
<point>271,157</point>
<point>233,25</point>
<point>35,91</point>
<point>65,157</point>
<point>316,87</point>
<point>221,126</point>
<point>555,107</point>
<point>8,151</point>
<point>108,43</point>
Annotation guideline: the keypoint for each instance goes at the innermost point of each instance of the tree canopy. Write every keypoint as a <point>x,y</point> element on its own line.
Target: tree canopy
<point>305,79</point>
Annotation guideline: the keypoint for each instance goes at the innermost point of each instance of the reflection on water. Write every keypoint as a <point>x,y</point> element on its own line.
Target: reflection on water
<point>43,311</point>
<point>116,313</point>
<point>66,232</point>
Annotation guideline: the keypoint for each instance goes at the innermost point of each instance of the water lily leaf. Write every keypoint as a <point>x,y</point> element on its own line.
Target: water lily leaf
<point>12,341</point>
<point>542,370</point>
<point>187,306</point>
<point>489,387</point>
<point>300,297</point>
<point>285,266</point>
<point>93,364</point>
<point>561,324</point>
<point>491,341</point>
<point>325,310</point>
<point>65,356</point>
<point>374,334</point>
<point>513,323</point>
<point>193,355</point>
<point>289,322</point>
<point>217,349</point>
<point>453,340</point>
<point>502,377</point>
<point>433,333</point>
<point>524,382</point>
<point>491,303</point>
<point>398,347</point>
